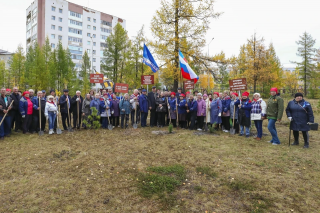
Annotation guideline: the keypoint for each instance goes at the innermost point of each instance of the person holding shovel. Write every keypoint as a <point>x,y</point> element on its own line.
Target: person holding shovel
<point>172,108</point>
<point>105,106</point>
<point>182,111</point>
<point>125,110</point>
<point>26,110</point>
<point>51,112</point>
<point>215,111</point>
<point>258,113</point>
<point>64,102</point>
<point>244,113</point>
<point>201,111</point>
<point>76,103</point>
<point>192,111</point>
<point>5,107</point>
<point>234,112</point>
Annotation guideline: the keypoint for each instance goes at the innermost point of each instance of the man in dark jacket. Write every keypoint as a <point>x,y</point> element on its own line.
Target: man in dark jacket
<point>65,104</point>
<point>192,111</point>
<point>76,103</point>
<point>143,103</point>
<point>15,113</point>
<point>5,128</point>
<point>300,115</point>
<point>152,96</point>
<point>35,115</point>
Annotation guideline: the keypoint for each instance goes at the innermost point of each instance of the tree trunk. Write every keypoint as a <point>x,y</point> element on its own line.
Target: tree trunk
<point>176,47</point>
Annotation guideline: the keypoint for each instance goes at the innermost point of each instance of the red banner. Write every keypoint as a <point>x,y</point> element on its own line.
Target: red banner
<point>96,78</point>
<point>121,88</point>
<point>188,84</point>
<point>147,79</point>
<point>238,84</point>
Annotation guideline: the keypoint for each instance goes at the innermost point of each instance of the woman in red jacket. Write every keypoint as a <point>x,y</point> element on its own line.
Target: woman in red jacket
<point>26,109</point>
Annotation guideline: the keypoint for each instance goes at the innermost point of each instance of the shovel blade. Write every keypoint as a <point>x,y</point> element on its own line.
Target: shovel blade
<point>41,133</point>
<point>135,126</point>
<point>232,131</point>
<point>59,132</point>
<point>110,127</point>
<point>70,129</point>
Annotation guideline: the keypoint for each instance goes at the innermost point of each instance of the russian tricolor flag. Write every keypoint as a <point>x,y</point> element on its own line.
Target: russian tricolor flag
<point>186,70</point>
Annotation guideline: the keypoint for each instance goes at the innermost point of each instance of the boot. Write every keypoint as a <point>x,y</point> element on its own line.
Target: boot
<point>306,144</point>
<point>295,143</point>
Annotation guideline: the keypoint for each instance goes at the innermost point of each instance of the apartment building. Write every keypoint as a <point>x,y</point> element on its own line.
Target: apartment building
<point>79,28</point>
<point>6,57</point>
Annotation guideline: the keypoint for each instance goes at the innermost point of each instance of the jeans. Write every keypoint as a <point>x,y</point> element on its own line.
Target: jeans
<point>5,128</point>
<point>105,122</point>
<point>258,125</point>
<point>51,119</point>
<point>272,129</point>
<point>242,130</point>
<point>144,116</point>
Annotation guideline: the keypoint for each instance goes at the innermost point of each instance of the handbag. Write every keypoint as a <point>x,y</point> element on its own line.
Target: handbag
<point>313,126</point>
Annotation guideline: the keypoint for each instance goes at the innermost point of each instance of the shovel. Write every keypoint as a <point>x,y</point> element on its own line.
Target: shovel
<point>40,131</point>
<point>135,125</point>
<point>7,112</point>
<point>69,126</point>
<point>110,126</point>
<point>177,114</point>
<point>205,119</point>
<point>232,130</point>
<point>58,129</point>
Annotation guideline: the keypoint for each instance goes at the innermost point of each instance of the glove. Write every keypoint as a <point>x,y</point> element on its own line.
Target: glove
<point>77,99</point>
<point>47,117</point>
<point>168,107</point>
<point>219,114</point>
<point>57,113</point>
<point>23,116</point>
<point>123,110</point>
<point>290,118</point>
<point>112,112</point>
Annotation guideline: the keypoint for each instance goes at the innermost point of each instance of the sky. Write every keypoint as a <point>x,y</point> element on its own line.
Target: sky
<point>278,21</point>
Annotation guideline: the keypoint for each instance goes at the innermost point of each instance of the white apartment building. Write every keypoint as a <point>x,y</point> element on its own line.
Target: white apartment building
<point>78,28</point>
<point>6,57</point>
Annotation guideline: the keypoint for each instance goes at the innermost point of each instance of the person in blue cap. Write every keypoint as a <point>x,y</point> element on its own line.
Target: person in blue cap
<point>144,106</point>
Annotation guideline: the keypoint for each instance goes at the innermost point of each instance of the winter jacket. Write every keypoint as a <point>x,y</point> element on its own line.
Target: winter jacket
<point>258,109</point>
<point>124,106</point>
<point>74,104</point>
<point>133,102</point>
<point>25,106</point>
<point>4,104</point>
<point>86,107</point>
<point>226,106</point>
<point>35,102</point>
<point>201,107</point>
<point>163,102</point>
<point>103,105</point>
<point>193,106</point>
<point>63,103</point>
<point>172,107</point>
<point>235,109</point>
<point>244,112</point>
<point>275,107</point>
<point>50,107</point>
<point>143,103</point>
<point>96,104</point>
<point>16,98</point>
<point>301,113</point>
<point>215,110</point>
<point>152,100</point>
<point>115,110</point>
<point>182,109</point>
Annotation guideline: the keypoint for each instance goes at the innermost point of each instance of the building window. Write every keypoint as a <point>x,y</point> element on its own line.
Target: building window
<point>60,28</point>
<point>103,37</point>
<point>104,45</point>
<point>94,59</point>
<point>60,37</point>
<point>94,43</point>
<point>53,8</point>
<point>105,30</point>
<point>78,15</point>
<point>60,19</point>
<point>94,52</point>
<point>89,19</point>
<point>76,31</point>
<point>60,10</point>
<point>53,27</point>
<point>53,36</point>
<point>53,18</point>
<point>94,67</point>
<point>53,45</point>
<point>89,27</point>
<point>106,23</point>
<point>94,28</point>
<point>78,23</point>
<point>88,43</point>
<point>88,51</point>
<point>89,34</point>
<point>93,35</point>
<point>74,39</point>
<point>94,20</point>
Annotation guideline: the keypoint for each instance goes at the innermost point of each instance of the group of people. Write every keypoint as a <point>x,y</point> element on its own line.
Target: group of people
<point>194,111</point>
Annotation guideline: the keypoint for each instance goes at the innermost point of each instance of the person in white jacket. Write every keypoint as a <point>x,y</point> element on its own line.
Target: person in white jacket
<point>207,98</point>
<point>258,113</point>
<point>51,112</point>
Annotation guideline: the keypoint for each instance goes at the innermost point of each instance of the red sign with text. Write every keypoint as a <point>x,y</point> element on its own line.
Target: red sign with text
<point>238,84</point>
<point>147,79</point>
<point>188,84</point>
<point>121,88</point>
<point>96,78</point>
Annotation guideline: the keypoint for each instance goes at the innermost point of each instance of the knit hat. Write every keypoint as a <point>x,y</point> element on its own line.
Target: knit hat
<point>25,92</point>
<point>216,93</point>
<point>205,95</point>
<point>257,94</point>
<point>173,93</point>
<point>52,91</point>
<point>236,94</point>
<point>274,89</point>
<point>298,94</point>
<point>245,94</point>
<point>183,95</point>
<point>144,90</point>
<point>8,90</point>
<point>187,92</point>
<point>199,94</point>
<point>49,97</point>
<point>65,90</point>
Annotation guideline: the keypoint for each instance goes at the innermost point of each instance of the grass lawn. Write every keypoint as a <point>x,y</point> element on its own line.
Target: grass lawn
<point>137,171</point>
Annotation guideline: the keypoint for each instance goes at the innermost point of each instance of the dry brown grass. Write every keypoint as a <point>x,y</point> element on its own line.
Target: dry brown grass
<point>97,171</point>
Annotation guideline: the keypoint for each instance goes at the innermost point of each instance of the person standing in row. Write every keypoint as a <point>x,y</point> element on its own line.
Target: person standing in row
<point>15,111</point>
<point>172,100</point>
<point>208,102</point>
<point>235,110</point>
<point>31,95</point>
<point>135,112</point>
<point>86,109</point>
<point>76,103</point>
<point>51,111</point>
<point>226,111</point>
<point>26,110</point>
<point>56,101</point>
<point>275,108</point>
<point>161,103</point>
<point>300,115</point>
<point>258,113</point>
<point>65,103</point>
<point>35,115</point>
<point>105,111</point>
<point>125,110</point>
<point>192,111</point>
<point>182,111</point>
<point>115,111</point>
<point>5,128</point>
<point>144,104</point>
<point>201,111</point>
<point>96,103</point>
<point>152,96</point>
<point>215,111</point>
<point>244,114</point>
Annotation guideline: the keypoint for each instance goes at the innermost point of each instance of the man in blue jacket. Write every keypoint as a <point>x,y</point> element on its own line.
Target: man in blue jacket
<point>192,111</point>
<point>64,107</point>
<point>144,106</point>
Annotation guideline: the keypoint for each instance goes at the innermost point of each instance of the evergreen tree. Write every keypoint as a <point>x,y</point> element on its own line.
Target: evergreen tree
<point>85,73</point>
<point>17,66</point>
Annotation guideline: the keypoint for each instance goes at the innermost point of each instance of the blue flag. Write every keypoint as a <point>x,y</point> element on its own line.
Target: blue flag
<point>149,60</point>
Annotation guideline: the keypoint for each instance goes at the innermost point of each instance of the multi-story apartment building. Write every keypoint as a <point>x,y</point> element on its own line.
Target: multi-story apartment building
<point>78,28</point>
<point>6,57</point>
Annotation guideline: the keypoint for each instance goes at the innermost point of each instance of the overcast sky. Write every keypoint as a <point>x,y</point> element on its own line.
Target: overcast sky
<point>278,21</point>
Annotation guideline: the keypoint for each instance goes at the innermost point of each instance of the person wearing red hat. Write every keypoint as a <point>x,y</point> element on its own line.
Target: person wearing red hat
<point>26,110</point>
<point>235,110</point>
<point>182,111</point>
<point>188,118</point>
<point>244,113</point>
<point>226,100</point>
<point>275,108</point>
<point>172,108</point>
<point>8,92</point>
<point>215,111</point>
